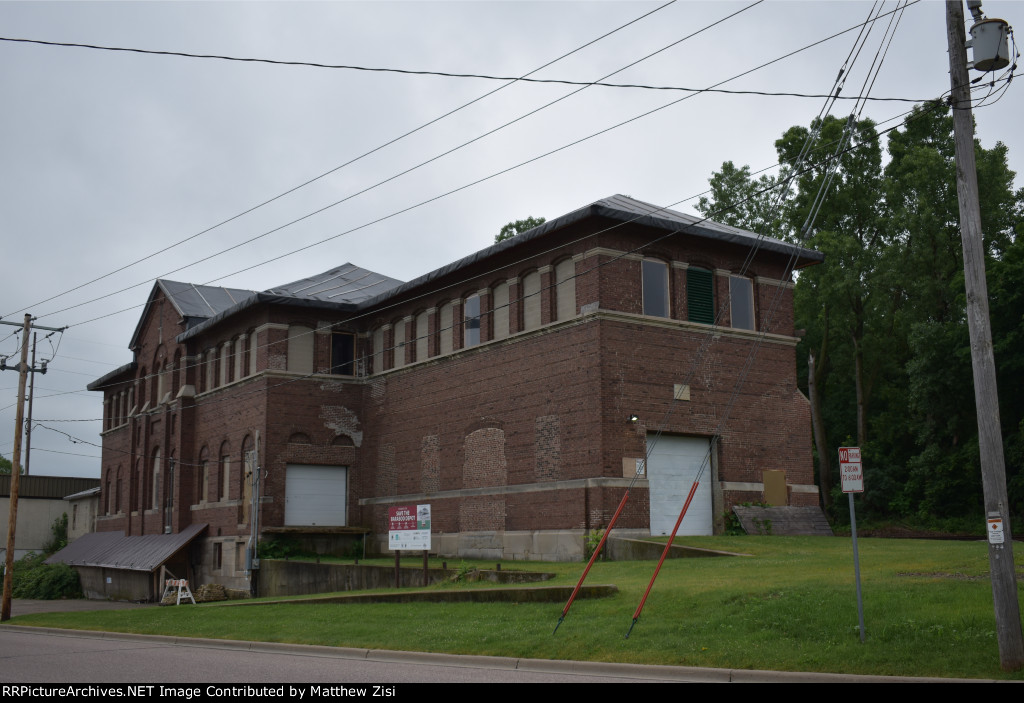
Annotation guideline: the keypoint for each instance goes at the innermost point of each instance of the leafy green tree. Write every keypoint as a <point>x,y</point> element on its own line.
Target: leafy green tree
<point>5,465</point>
<point>518,227</point>
<point>737,199</point>
<point>886,347</point>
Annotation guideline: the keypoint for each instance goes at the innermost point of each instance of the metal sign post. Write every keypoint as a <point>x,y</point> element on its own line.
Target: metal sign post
<point>852,473</point>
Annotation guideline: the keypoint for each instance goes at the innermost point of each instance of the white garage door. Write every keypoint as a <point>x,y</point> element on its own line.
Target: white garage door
<point>316,495</point>
<point>671,469</point>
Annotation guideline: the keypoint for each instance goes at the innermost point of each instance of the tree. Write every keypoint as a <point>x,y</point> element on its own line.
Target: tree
<point>518,227</point>
<point>5,465</point>
<point>738,200</point>
<point>886,347</point>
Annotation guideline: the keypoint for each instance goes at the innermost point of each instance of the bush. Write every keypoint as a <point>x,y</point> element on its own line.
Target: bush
<point>32,578</point>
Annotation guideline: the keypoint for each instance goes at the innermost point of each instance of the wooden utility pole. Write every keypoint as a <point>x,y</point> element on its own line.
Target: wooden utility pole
<point>993,472</point>
<point>12,520</point>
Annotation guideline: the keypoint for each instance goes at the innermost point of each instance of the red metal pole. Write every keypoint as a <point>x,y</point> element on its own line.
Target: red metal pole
<point>593,558</point>
<point>668,545</point>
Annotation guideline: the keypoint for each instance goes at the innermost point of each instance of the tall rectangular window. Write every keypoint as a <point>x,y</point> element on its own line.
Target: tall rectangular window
<point>471,319</point>
<point>700,297</point>
<point>399,344</point>
<point>500,311</point>
<point>422,336</point>
<point>655,288</point>
<point>343,353</point>
<point>445,331</point>
<point>741,301</point>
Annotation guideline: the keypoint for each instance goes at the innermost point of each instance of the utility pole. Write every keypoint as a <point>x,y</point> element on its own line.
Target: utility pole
<point>12,520</point>
<point>993,472</point>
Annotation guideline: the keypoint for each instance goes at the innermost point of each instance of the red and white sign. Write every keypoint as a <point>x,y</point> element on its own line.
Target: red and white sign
<point>409,527</point>
<point>851,471</point>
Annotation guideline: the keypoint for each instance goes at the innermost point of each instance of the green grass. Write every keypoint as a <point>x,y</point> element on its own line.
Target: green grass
<point>790,606</point>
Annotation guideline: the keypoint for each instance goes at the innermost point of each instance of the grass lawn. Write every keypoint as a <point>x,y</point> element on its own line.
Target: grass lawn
<point>790,606</point>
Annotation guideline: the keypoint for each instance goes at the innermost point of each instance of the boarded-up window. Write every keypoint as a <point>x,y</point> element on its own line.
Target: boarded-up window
<point>225,364</point>
<point>565,291</point>
<point>471,321</point>
<point>741,302</point>
<point>445,333</point>
<point>422,329</point>
<point>700,296</point>
<point>399,344</point>
<point>655,286</point>
<point>253,346</point>
<point>240,357</point>
<point>501,311</point>
<point>300,349</point>
<point>378,350</point>
<point>531,301</point>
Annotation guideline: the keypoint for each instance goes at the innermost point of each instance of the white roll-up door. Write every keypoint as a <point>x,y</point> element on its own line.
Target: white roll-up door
<point>671,469</point>
<point>316,495</point>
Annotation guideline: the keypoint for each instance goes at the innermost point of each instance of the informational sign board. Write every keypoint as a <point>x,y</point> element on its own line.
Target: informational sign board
<point>995,530</point>
<point>851,470</point>
<point>409,527</point>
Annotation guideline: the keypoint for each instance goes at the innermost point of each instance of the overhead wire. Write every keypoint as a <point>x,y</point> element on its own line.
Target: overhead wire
<point>419,165</point>
<point>908,114</point>
<point>436,197</point>
<point>445,74</point>
<point>350,161</point>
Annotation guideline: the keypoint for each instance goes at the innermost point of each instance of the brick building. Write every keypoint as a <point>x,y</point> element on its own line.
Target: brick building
<point>513,390</point>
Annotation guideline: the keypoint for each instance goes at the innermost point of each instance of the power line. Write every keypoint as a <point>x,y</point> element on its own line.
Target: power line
<point>445,74</point>
<point>350,161</point>
<point>444,194</point>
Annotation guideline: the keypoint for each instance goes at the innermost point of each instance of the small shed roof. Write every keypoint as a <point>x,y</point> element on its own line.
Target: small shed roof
<point>113,550</point>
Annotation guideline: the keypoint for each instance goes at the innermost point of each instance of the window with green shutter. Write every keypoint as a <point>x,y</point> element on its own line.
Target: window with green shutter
<point>700,296</point>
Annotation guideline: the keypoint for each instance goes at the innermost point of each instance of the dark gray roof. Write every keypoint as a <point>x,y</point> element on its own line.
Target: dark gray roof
<point>342,288</point>
<point>345,284</point>
<point>52,487</point>
<point>623,209</point>
<point>191,300</point>
<point>351,288</point>
<point>106,378</point>
<point>113,550</point>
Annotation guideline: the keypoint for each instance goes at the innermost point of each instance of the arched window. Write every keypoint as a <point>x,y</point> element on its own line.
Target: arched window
<point>225,471</point>
<point>203,484</point>
<point>156,480</point>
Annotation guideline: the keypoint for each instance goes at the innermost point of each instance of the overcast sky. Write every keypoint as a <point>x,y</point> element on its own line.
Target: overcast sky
<point>111,156</point>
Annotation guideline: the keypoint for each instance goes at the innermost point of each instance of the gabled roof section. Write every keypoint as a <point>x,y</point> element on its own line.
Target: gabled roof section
<point>194,303</point>
<point>624,209</point>
<point>344,287</point>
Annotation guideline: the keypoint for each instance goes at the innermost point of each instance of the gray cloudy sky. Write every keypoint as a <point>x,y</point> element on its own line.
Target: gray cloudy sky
<point>111,156</point>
